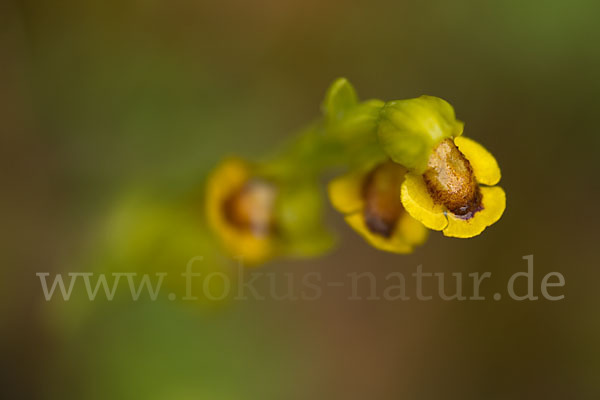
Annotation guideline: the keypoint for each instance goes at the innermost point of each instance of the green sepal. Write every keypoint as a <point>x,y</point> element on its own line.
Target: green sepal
<point>359,123</point>
<point>319,242</point>
<point>299,215</point>
<point>410,129</point>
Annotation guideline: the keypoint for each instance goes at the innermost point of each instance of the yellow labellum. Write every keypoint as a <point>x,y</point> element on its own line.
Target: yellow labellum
<point>421,205</point>
<point>367,198</point>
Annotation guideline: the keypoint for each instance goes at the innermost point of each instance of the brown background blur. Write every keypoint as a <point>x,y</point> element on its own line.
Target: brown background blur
<point>97,97</point>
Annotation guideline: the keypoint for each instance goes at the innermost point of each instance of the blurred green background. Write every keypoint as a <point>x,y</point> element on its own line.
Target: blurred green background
<point>103,100</point>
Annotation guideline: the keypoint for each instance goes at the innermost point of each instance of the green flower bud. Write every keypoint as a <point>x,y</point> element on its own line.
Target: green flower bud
<point>410,129</point>
<point>339,99</point>
<point>346,118</point>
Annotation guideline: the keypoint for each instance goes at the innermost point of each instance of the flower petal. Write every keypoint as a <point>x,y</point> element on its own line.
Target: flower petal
<point>253,250</point>
<point>345,192</point>
<point>228,177</point>
<point>493,200</point>
<point>419,204</point>
<point>395,244</point>
<point>485,166</point>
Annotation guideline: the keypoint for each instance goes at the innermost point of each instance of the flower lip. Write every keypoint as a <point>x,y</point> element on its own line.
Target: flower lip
<point>368,194</point>
<point>232,223</point>
<point>489,206</point>
<point>451,182</point>
<point>380,191</point>
<point>250,207</point>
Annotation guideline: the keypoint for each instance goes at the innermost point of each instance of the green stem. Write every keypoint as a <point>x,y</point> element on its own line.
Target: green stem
<point>329,143</point>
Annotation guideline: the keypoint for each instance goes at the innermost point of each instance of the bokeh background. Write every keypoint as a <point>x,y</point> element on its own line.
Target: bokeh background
<point>116,110</point>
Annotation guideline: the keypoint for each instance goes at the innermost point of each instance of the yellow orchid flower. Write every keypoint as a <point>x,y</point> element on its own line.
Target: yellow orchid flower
<point>240,210</point>
<point>451,184</point>
<point>259,217</point>
<point>370,200</point>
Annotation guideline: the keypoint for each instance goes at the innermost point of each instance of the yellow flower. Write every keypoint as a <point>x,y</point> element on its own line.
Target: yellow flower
<point>456,194</point>
<point>239,210</point>
<point>370,200</point>
<point>258,217</point>
<point>450,186</point>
